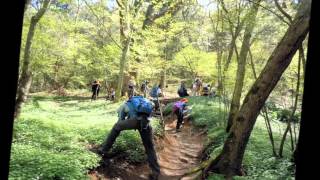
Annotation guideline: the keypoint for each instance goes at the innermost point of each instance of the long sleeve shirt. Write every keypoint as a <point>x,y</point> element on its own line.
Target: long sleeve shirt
<point>123,112</point>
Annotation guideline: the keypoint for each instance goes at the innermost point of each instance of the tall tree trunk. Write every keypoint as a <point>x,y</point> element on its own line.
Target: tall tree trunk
<point>293,111</point>
<point>218,35</point>
<point>163,78</point>
<point>303,62</point>
<point>27,2</point>
<point>235,34</point>
<point>125,42</point>
<point>122,13</point>
<point>303,59</point>
<point>264,110</point>
<point>229,161</point>
<point>218,29</point>
<point>268,125</point>
<point>235,102</point>
<point>123,60</point>
<point>26,75</point>
<point>232,45</point>
<point>148,16</point>
<point>219,67</point>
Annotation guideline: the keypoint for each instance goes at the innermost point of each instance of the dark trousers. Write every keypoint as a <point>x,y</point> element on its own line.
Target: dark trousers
<point>145,131</point>
<point>179,114</point>
<point>156,103</point>
<point>95,94</point>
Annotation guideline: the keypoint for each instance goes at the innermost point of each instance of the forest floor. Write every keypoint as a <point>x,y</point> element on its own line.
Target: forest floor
<point>54,135</point>
<point>177,152</point>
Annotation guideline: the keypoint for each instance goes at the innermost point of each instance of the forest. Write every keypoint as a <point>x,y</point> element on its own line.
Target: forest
<point>242,63</point>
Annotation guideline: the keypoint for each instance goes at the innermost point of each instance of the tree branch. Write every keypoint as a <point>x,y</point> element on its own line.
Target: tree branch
<point>42,10</point>
<point>120,4</point>
<point>282,11</point>
<point>280,17</point>
<point>98,18</point>
<point>166,8</point>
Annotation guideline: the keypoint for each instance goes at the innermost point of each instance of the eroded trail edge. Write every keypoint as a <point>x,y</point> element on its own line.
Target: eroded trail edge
<point>177,154</point>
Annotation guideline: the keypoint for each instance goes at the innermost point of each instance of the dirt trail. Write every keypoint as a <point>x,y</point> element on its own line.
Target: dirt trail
<point>177,154</point>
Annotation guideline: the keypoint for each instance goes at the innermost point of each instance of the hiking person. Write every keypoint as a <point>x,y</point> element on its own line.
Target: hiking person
<point>155,93</point>
<point>178,108</point>
<point>144,88</point>
<point>135,114</point>
<point>196,87</point>
<point>113,94</point>
<point>212,92</point>
<point>131,86</point>
<point>98,87</point>
<point>205,90</point>
<point>182,91</point>
<point>95,88</point>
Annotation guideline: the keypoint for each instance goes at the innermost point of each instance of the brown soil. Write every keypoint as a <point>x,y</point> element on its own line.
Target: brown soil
<point>177,154</point>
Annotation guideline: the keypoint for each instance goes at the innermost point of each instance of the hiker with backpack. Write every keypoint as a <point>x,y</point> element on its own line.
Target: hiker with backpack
<point>144,88</point>
<point>179,108</point>
<point>112,94</point>
<point>196,87</point>
<point>155,93</point>
<point>182,91</point>
<point>205,90</point>
<point>135,114</point>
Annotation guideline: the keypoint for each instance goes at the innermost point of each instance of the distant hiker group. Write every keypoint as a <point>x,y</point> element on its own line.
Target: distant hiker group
<point>197,89</point>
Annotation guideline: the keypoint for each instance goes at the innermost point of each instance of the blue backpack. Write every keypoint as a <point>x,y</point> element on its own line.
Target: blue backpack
<point>139,105</point>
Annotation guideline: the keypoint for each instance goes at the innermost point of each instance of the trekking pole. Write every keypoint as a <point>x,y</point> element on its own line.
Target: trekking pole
<point>161,109</point>
<point>161,115</point>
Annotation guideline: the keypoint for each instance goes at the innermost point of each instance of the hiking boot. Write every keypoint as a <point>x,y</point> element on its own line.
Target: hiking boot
<point>105,162</point>
<point>100,151</point>
<point>154,176</point>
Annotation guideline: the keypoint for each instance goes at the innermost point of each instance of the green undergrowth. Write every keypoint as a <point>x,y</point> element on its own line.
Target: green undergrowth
<point>53,136</point>
<point>258,162</point>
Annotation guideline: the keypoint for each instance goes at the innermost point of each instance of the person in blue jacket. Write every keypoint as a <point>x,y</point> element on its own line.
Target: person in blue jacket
<point>135,114</point>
